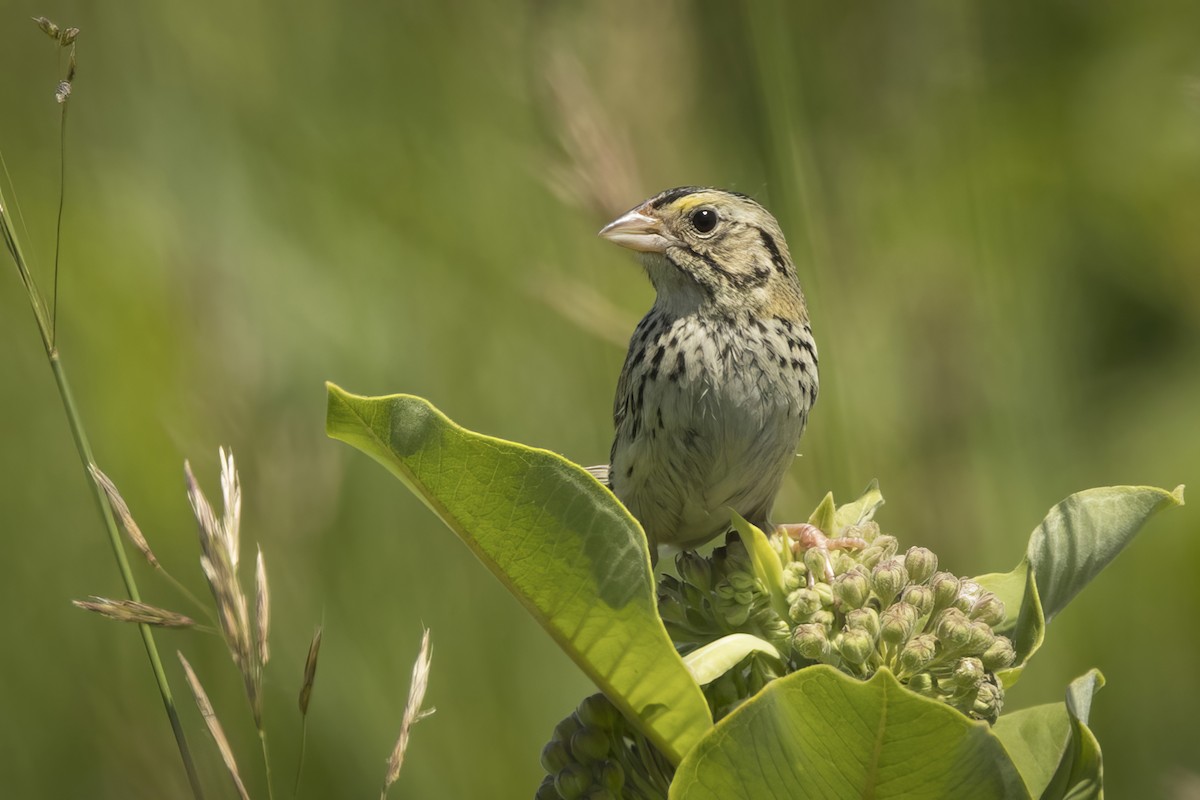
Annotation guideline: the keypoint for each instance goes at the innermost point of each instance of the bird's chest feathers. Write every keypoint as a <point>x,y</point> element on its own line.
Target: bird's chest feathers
<point>715,380</point>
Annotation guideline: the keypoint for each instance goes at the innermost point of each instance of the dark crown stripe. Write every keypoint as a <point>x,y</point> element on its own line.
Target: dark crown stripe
<point>671,195</point>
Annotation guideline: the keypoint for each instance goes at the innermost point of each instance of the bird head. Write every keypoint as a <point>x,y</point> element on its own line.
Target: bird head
<point>712,250</point>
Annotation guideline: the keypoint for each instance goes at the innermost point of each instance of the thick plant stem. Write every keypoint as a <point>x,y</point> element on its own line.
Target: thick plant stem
<point>84,450</point>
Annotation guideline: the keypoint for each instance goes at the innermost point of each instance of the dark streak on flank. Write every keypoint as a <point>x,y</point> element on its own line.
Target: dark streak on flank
<point>680,366</point>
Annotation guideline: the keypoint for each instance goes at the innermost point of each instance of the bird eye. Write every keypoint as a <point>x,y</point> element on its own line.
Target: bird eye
<point>704,220</point>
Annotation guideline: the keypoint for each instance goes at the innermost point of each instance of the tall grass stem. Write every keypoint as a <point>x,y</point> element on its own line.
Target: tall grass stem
<point>84,449</point>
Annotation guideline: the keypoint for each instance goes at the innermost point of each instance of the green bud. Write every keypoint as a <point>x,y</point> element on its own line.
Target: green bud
<point>572,781</point>
<point>811,641</point>
<point>968,593</point>
<point>897,622</point>
<point>597,711</point>
<point>804,603</point>
<point>612,776</point>
<point>565,729</point>
<point>919,597</point>
<point>693,597</point>
<point>945,589</point>
<point>48,27</point>
<point>870,556</point>
<point>981,638</point>
<point>864,619</point>
<point>843,562</point>
<point>851,589</point>
<point>794,576</point>
<point>671,610</point>
<point>988,701</point>
<point>695,569</point>
<point>855,646</point>
<point>888,543</point>
<point>589,744</point>
<point>922,683</point>
<point>814,562</point>
<point>734,613</point>
<point>968,674</point>
<point>921,563</point>
<point>919,651</point>
<point>988,609</point>
<point>822,617</point>
<point>866,531</point>
<point>888,578</point>
<point>1000,655</point>
<point>774,628</point>
<point>953,630</point>
<point>547,791</point>
<point>555,756</point>
<point>825,593</point>
<point>743,582</point>
<point>601,794</point>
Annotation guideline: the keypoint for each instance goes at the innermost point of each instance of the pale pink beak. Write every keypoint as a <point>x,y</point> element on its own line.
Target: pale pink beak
<point>637,231</point>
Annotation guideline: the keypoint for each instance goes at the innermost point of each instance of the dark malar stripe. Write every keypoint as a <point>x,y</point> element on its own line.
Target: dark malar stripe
<point>739,281</point>
<point>776,257</point>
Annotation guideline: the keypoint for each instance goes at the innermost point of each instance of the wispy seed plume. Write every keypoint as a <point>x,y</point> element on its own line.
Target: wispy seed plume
<point>133,611</point>
<point>214,726</point>
<point>121,509</point>
<point>413,713</point>
<point>310,672</point>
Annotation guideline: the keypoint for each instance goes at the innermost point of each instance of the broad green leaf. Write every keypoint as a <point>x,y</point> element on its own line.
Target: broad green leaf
<point>560,542</point>
<point>1086,778</point>
<point>1053,749</point>
<point>857,511</point>
<point>765,561</point>
<point>1026,626</point>
<point>1036,740</point>
<point>823,515</point>
<point>819,733</point>
<point>1083,533</point>
<point>1076,540</point>
<point>714,659</point>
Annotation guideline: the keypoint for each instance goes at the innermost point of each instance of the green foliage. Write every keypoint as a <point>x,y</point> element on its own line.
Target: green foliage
<point>820,733</point>
<point>1076,540</point>
<point>572,554</point>
<point>1052,747</point>
<point>558,540</point>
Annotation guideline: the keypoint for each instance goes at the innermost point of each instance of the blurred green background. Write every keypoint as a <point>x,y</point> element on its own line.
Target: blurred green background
<point>995,211</point>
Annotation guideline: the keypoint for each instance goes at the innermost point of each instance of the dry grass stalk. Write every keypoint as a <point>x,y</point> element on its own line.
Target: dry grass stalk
<point>219,561</point>
<point>413,713</point>
<point>587,308</point>
<point>122,511</point>
<point>600,173</point>
<point>310,672</point>
<point>214,726</point>
<point>133,611</point>
<point>262,611</point>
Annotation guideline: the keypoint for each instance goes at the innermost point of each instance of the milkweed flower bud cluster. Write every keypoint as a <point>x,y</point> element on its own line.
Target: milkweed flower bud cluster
<point>858,609</point>
<point>596,754</point>
<point>880,608</point>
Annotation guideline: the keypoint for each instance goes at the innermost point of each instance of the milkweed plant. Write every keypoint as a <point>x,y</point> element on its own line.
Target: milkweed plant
<point>772,667</point>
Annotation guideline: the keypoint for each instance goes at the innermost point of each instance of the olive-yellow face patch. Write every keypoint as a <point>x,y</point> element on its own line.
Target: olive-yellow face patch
<point>694,200</point>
